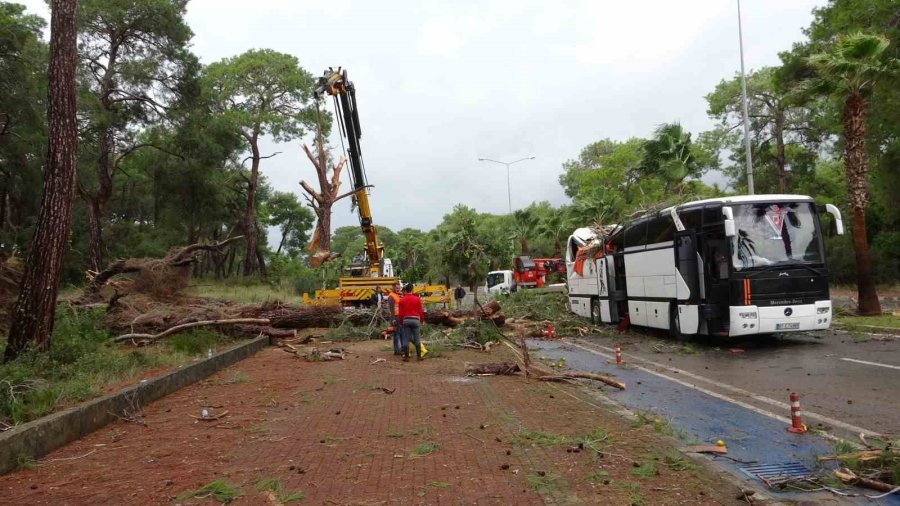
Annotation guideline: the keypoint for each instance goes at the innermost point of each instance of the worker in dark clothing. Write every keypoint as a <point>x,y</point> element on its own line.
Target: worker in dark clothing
<point>459,293</point>
<point>412,316</point>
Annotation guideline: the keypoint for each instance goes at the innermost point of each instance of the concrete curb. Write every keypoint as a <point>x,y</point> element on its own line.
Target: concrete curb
<point>39,437</point>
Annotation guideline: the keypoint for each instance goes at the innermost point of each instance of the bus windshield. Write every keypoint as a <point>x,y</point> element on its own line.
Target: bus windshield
<point>775,234</point>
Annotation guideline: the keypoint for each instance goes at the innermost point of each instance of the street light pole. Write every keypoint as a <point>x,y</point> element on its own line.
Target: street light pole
<point>508,185</point>
<point>744,103</point>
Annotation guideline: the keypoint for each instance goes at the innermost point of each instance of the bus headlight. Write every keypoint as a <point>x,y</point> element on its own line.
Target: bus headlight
<point>748,314</point>
<point>822,310</point>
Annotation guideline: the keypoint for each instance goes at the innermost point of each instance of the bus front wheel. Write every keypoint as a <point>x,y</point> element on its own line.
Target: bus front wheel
<point>675,323</point>
<point>595,312</point>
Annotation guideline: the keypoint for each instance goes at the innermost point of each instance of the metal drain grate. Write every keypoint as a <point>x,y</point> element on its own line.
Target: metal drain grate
<point>773,474</point>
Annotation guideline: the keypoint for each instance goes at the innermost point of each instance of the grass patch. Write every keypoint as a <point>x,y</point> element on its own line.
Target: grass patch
<point>646,470</point>
<point>676,462</point>
<point>474,330</point>
<point>238,377</point>
<point>274,486</point>
<point>593,440</point>
<point>219,490</point>
<point>843,446</point>
<point>248,289</point>
<point>542,484</point>
<point>634,493</point>
<point>660,425</point>
<point>596,476</point>
<point>539,438</point>
<point>423,449</point>
<point>863,322</point>
<point>688,349</point>
<point>83,361</point>
<point>439,484</point>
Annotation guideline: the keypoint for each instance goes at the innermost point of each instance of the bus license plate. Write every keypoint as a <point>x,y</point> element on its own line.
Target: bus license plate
<point>787,326</point>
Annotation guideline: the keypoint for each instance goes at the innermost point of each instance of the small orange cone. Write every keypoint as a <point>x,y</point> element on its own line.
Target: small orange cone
<point>797,426</point>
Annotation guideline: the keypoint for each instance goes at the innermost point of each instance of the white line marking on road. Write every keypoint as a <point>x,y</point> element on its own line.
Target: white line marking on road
<point>871,363</point>
<point>830,421</point>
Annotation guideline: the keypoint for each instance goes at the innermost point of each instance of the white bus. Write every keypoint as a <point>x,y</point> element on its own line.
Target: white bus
<point>728,266</point>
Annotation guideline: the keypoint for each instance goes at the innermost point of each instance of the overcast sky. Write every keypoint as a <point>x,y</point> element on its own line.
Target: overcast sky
<point>440,84</point>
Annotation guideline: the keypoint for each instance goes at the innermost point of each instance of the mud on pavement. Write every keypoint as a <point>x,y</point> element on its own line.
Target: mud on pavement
<point>330,432</point>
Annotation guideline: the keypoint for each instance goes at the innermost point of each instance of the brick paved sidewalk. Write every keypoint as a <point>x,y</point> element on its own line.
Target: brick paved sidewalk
<point>329,430</point>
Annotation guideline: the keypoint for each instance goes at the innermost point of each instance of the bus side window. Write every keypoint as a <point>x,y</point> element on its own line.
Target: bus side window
<point>690,219</point>
<point>660,229</point>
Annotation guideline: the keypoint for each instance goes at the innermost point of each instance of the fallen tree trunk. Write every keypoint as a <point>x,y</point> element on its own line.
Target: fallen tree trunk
<point>505,368</point>
<point>448,319</point>
<point>178,328</point>
<point>266,330</point>
<point>299,317</point>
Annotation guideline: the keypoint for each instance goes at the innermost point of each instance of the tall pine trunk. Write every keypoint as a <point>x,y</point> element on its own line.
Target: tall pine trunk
<point>95,228</point>
<point>32,317</point>
<point>856,167</point>
<point>251,261</point>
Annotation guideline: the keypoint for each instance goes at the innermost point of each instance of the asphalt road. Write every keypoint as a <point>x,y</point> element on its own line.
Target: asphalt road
<point>846,387</point>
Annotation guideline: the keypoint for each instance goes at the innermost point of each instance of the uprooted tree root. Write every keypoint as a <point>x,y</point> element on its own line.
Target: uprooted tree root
<point>161,278</point>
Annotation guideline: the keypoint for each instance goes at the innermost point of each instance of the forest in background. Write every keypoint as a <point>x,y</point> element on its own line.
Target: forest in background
<point>168,152</point>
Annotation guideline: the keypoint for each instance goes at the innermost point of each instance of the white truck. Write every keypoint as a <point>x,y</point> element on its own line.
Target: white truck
<point>500,283</point>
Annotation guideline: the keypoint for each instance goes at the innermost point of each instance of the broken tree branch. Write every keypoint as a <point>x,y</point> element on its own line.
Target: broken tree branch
<point>185,326</point>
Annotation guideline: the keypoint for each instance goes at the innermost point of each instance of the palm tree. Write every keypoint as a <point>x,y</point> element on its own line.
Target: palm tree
<point>668,155</point>
<point>525,226</point>
<point>849,69</point>
<point>554,226</point>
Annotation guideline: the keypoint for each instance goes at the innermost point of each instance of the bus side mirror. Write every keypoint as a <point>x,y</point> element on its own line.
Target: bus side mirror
<point>836,213</point>
<point>730,229</point>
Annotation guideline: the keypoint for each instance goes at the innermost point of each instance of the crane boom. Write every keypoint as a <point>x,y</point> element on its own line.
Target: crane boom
<point>336,84</point>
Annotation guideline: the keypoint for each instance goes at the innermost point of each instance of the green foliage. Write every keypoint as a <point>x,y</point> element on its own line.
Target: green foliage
<point>645,470</point>
<point>262,92</point>
<point>539,438</point>
<point>423,449</point>
<point>23,129</point>
<point>81,363</point>
<point>219,490</point>
<point>542,483</point>
<point>669,156</point>
<point>281,495</point>
<point>294,219</point>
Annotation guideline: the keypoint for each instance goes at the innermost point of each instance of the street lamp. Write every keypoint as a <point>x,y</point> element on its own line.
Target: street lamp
<point>508,190</point>
<point>744,104</point>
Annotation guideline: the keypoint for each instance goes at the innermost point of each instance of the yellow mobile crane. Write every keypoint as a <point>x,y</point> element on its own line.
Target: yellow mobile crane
<point>370,269</point>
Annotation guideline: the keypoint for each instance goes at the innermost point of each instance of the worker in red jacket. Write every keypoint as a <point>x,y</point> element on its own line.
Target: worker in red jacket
<point>411,316</point>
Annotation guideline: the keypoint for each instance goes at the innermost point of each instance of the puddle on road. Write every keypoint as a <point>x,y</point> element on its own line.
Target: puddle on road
<point>699,417</point>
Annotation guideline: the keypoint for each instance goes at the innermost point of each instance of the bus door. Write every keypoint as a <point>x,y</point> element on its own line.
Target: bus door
<point>687,262</point>
<point>688,265</point>
<point>716,261</point>
<point>618,295</point>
